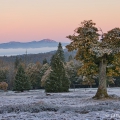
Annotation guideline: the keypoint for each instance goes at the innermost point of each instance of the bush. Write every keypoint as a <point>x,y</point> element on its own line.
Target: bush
<point>3,86</point>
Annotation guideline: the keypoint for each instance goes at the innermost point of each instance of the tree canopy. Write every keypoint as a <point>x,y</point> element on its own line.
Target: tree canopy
<point>97,51</point>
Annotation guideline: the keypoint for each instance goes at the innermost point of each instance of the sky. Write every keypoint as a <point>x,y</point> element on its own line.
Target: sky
<point>29,20</point>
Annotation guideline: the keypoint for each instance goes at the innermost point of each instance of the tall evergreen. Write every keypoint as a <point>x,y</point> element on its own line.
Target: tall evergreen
<point>21,80</point>
<point>60,52</point>
<point>52,60</point>
<point>57,81</point>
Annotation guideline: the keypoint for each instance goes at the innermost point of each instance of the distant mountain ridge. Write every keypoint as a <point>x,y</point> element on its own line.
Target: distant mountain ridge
<point>32,44</point>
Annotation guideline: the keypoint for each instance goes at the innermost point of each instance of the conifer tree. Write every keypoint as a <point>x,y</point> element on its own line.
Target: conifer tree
<point>65,82</point>
<point>52,60</point>
<point>60,52</point>
<point>58,80</point>
<point>21,80</point>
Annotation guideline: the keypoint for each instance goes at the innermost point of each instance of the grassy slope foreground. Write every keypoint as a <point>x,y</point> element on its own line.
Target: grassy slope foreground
<point>75,105</point>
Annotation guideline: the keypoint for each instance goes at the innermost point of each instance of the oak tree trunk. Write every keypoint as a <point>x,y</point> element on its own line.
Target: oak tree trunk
<point>102,89</point>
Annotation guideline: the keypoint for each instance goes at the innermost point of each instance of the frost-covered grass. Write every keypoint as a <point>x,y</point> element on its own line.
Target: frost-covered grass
<point>74,105</point>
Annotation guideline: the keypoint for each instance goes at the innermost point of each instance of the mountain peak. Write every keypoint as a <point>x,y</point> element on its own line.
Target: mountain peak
<point>33,44</point>
<point>48,41</point>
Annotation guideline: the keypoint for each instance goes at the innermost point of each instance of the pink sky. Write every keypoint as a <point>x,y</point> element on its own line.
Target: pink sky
<point>28,20</point>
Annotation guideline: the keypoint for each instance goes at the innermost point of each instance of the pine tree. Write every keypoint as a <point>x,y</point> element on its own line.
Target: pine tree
<point>60,52</point>
<point>57,81</point>
<point>21,80</point>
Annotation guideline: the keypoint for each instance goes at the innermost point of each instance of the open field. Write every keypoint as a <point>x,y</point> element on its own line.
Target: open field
<point>74,105</point>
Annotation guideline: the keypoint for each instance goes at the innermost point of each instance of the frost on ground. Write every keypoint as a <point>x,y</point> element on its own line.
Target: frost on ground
<point>74,105</point>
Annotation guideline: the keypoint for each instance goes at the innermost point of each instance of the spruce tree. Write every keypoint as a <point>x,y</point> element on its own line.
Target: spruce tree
<point>57,81</point>
<point>65,82</point>
<point>21,80</point>
<point>52,60</point>
<point>60,52</point>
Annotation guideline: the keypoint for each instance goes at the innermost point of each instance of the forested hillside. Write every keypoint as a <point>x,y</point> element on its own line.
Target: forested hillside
<point>35,57</point>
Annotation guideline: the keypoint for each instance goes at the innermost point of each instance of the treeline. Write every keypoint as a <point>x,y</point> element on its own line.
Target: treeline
<point>33,58</point>
<point>55,71</point>
<point>32,66</point>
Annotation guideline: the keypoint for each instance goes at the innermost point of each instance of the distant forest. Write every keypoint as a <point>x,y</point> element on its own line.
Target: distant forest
<point>33,58</point>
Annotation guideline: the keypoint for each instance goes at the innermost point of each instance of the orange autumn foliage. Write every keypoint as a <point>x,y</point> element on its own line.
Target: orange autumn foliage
<point>3,86</point>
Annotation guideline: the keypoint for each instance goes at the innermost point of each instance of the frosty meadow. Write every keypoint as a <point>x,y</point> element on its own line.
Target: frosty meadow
<point>74,105</point>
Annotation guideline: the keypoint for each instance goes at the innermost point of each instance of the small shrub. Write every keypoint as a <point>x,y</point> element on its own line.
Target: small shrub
<point>3,86</point>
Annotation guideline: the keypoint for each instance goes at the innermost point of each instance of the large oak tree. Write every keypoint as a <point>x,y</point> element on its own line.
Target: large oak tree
<point>97,51</point>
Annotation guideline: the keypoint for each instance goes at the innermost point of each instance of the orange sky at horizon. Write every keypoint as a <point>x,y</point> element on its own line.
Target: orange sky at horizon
<point>28,20</point>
